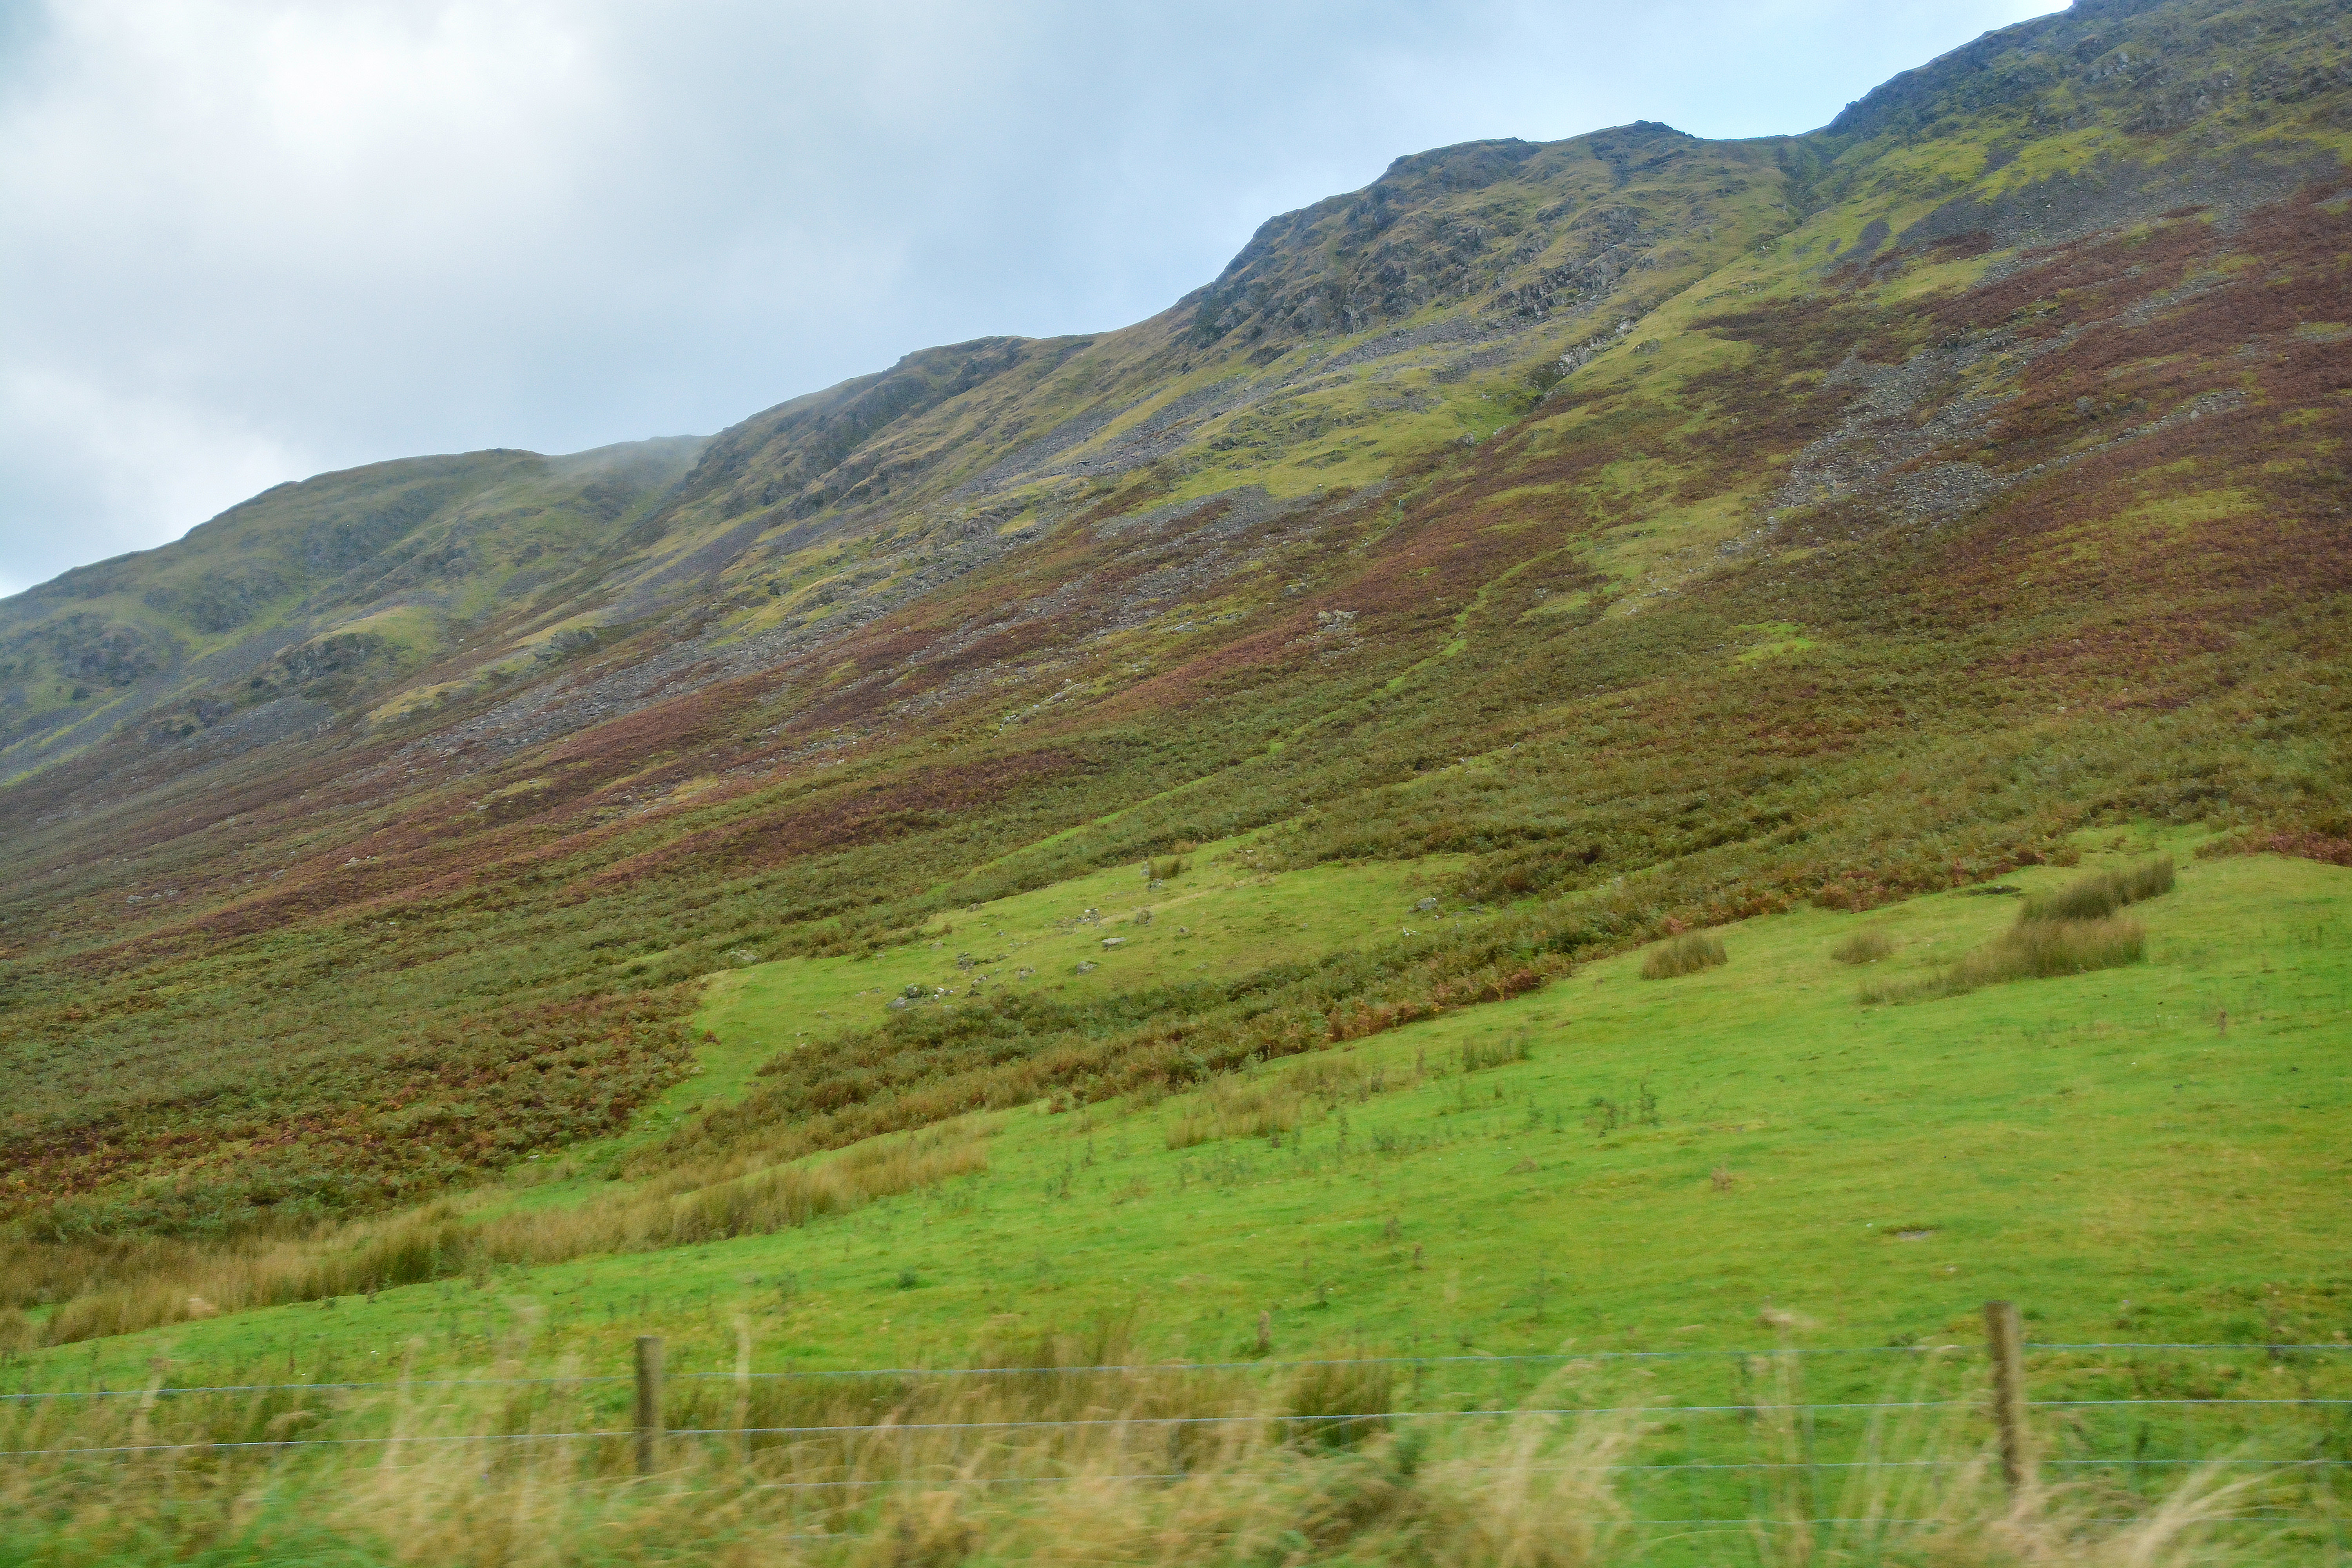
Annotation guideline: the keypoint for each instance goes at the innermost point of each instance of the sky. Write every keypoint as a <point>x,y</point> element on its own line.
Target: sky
<point>245,241</point>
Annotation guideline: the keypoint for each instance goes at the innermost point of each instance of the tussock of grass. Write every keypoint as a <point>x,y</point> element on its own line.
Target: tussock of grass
<point>2070,932</point>
<point>1268,1107</point>
<point>2096,896</point>
<point>2030,949</point>
<point>1479,1055</point>
<point>1237,1109</point>
<point>1865,946</point>
<point>1685,955</point>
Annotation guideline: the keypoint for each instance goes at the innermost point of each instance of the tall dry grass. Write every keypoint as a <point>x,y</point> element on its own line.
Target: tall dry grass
<point>1685,955</point>
<point>1926,1489</point>
<point>1270,1105</point>
<point>1867,946</point>
<point>444,1239</point>
<point>2032,950</point>
<point>1152,1465</point>
<point>2102,894</point>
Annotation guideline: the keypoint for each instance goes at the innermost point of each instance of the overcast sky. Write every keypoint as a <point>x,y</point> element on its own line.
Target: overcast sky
<point>243,242</point>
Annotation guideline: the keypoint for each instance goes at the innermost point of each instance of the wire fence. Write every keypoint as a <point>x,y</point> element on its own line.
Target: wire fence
<point>1265,1364</point>
<point>1750,1460</point>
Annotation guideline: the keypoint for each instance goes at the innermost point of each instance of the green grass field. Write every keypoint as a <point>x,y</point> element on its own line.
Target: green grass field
<point>1113,931</point>
<point>1670,1159</point>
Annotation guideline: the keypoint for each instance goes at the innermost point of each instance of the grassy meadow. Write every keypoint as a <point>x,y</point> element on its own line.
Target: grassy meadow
<point>1613,1162</point>
<point>1116,929</point>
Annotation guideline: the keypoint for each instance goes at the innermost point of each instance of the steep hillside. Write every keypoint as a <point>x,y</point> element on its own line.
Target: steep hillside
<point>1627,531</point>
<point>276,613</point>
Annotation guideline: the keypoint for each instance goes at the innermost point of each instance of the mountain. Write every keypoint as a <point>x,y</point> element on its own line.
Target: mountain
<point>1639,530</point>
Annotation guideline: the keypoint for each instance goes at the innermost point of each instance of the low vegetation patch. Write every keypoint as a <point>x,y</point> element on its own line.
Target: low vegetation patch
<point>1867,946</point>
<point>2070,932</point>
<point>2096,896</point>
<point>2032,950</point>
<point>1478,1055</point>
<point>1261,1105</point>
<point>440,1242</point>
<point>1685,954</point>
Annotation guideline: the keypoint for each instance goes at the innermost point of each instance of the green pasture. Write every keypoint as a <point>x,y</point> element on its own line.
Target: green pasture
<point>1715,1161</point>
<point>1113,931</point>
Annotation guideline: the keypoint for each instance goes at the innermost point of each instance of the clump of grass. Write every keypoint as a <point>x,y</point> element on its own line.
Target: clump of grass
<point>2040,949</point>
<point>1865,946</point>
<point>2070,932</point>
<point>1685,954</point>
<point>1263,1106</point>
<point>2030,949</point>
<point>1477,1055</point>
<point>1344,1399</point>
<point>1239,1107</point>
<point>1167,869</point>
<point>2098,896</point>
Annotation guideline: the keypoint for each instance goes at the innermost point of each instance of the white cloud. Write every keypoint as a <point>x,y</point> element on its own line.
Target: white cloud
<point>245,239</point>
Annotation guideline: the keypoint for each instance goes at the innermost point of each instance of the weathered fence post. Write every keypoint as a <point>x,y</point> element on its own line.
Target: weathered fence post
<point>2005,1343</point>
<point>1264,1332</point>
<point>650,1403</point>
<point>743,1389</point>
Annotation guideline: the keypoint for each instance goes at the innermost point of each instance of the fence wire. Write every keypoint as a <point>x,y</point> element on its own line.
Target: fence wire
<point>1560,1357</point>
<point>1696,1458</point>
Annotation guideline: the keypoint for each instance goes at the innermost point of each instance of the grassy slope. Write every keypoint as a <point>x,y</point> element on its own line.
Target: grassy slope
<point>2095,1147</point>
<point>1220,919</point>
<point>1657,663</point>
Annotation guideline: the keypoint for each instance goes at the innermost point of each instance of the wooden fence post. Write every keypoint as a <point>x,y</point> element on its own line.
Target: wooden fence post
<point>650,1403</point>
<point>1264,1332</point>
<point>2005,1343</point>
<point>743,1389</point>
